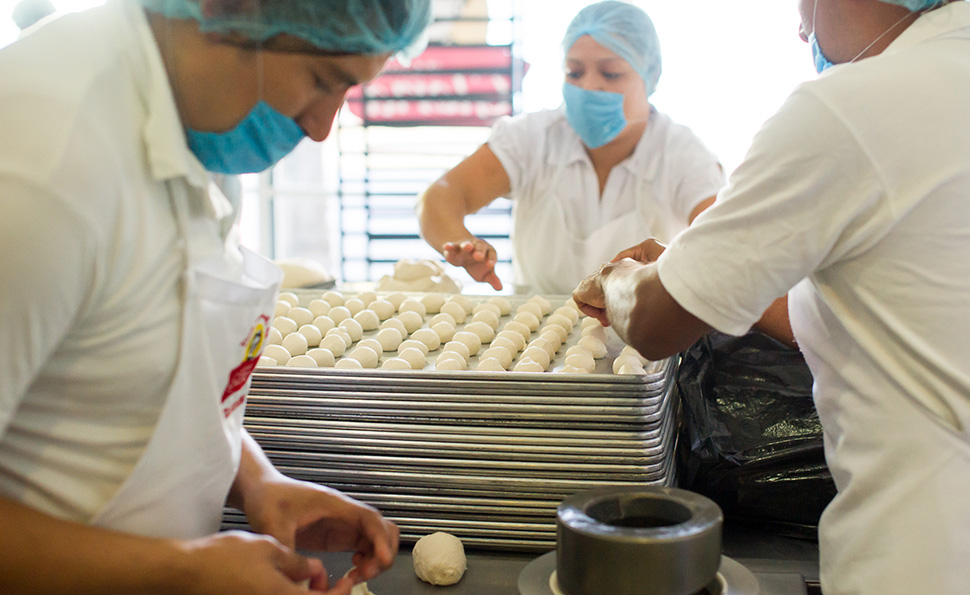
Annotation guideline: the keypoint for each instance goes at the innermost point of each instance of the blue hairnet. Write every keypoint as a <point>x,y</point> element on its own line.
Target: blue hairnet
<point>914,5</point>
<point>347,26</point>
<point>623,29</point>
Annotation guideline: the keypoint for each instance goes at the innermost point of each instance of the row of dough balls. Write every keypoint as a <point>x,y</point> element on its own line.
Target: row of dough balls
<point>324,334</point>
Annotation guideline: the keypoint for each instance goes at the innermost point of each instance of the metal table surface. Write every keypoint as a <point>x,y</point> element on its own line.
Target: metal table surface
<point>782,566</point>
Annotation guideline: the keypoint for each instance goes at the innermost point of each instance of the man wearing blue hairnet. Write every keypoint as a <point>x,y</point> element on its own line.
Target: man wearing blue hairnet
<point>852,200</point>
<point>586,180</point>
<point>133,318</point>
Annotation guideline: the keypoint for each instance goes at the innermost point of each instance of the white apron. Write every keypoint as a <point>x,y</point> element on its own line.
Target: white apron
<point>179,486</point>
<point>551,259</point>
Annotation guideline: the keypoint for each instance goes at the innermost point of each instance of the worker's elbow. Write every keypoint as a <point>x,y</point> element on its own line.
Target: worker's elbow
<point>659,337</point>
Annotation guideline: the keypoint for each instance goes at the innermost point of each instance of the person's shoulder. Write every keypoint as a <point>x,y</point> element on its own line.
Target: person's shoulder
<point>531,122</point>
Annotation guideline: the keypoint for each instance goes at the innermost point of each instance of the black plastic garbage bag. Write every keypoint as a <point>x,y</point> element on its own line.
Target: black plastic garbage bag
<point>751,439</point>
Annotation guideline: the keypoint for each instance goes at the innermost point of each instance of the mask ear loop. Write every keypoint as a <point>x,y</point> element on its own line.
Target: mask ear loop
<point>885,33</point>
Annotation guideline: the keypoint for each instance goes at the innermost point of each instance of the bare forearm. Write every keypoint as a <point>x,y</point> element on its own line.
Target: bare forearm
<point>254,470</point>
<point>774,323</point>
<point>41,554</point>
<point>441,214</point>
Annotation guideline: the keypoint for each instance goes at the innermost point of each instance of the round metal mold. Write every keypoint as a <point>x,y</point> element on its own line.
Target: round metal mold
<point>637,540</point>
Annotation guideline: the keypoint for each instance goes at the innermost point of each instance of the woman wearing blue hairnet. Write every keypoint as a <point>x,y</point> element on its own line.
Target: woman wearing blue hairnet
<point>586,180</point>
<point>852,200</point>
<point>133,318</point>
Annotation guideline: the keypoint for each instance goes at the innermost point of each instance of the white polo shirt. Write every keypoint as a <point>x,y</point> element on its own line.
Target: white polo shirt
<point>89,281</point>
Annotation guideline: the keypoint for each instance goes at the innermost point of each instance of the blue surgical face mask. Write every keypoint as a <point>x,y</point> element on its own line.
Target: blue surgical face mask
<point>596,116</point>
<point>821,62</point>
<point>262,138</point>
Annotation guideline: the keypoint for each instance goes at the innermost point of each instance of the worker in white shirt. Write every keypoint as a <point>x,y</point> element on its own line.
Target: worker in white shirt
<point>585,180</point>
<point>853,200</point>
<point>133,318</point>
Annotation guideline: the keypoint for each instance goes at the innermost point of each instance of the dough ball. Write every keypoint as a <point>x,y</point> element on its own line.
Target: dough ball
<point>571,313</point>
<point>324,357</point>
<point>439,559</point>
<point>487,306</point>
<point>348,363</point>
<point>265,361</point>
<point>529,319</point>
<point>579,349</point>
<point>544,305</point>
<point>367,297</point>
<point>571,303</point>
<point>396,299</point>
<point>367,357</point>
<point>278,353</point>
<point>390,338</point>
<point>295,343</point>
<point>275,337</point>
<point>549,347</point>
<point>581,360</point>
<point>340,332</point>
<point>551,337</point>
<point>335,344</point>
<point>355,305</point>
<point>559,332</point>
<point>373,343</point>
<point>563,321</point>
<point>485,332</point>
<point>413,344</point>
<point>444,330</point>
<point>383,308</point>
<point>537,354</point>
<point>470,339</point>
<point>457,347</point>
<point>285,325</point>
<point>334,298</point>
<point>281,308</point>
<point>319,307</point>
<point>532,308</point>
<point>513,342</point>
<point>597,331</point>
<point>490,364</point>
<point>456,310</point>
<point>443,317</point>
<point>518,327</point>
<point>302,361</point>
<point>324,323</point>
<point>463,301</point>
<point>413,305</point>
<point>631,369</point>
<point>300,315</point>
<point>427,336</point>
<point>395,324</point>
<point>450,363</point>
<point>368,319</point>
<point>290,298</point>
<point>501,354</point>
<point>312,334</point>
<point>396,363</point>
<point>409,269</point>
<point>629,350</point>
<point>626,359</point>
<point>567,369</point>
<point>339,314</point>
<point>596,347</point>
<point>589,321</point>
<point>413,356</point>
<point>504,305</point>
<point>433,302</point>
<point>488,317</point>
<point>353,328</point>
<point>412,320</point>
<point>528,365</point>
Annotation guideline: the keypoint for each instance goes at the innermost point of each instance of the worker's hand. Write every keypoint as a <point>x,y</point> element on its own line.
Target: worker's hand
<point>239,562</point>
<point>308,516</point>
<point>590,294</point>
<point>645,252</point>
<point>477,256</point>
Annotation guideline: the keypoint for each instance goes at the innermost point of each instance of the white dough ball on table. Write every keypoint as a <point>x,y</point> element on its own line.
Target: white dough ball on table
<point>595,331</point>
<point>457,347</point>
<point>432,302</point>
<point>579,349</point>
<point>312,334</point>
<point>484,331</point>
<point>488,317</point>
<point>439,559</point>
<point>396,363</point>
<point>581,360</point>
<point>339,314</point>
<point>355,305</point>
<point>413,356</point>
<point>487,306</point>
<point>427,336</point>
<point>282,307</point>
<point>529,319</point>
<point>631,369</point>
<point>518,327</point>
<point>456,310</point>
<point>567,369</point>
<point>325,324</point>
<point>450,363</point>
<point>411,319</point>
<point>512,341</point>
<point>553,338</point>
<point>444,330</point>
<point>285,325</point>
<point>532,308</point>
<point>559,332</point>
<point>414,344</point>
<point>278,353</point>
<point>395,324</point>
<point>563,321</point>
<point>274,337</point>
<point>373,343</point>
<point>390,338</point>
<point>537,354</point>
<point>502,354</point>
<point>289,297</point>
<point>368,319</point>
<point>348,363</point>
<point>265,361</point>
<point>570,313</point>
<point>367,297</point>
<point>544,305</point>
<point>544,344</point>
<point>319,307</point>
<point>528,365</point>
<point>353,328</point>
<point>490,364</point>
<point>339,334</point>
<point>302,361</point>
<point>443,317</point>
<point>334,344</point>
<point>409,269</point>
<point>323,356</point>
<point>300,315</point>
<point>413,305</point>
<point>589,321</point>
<point>629,350</point>
<point>383,308</point>
<point>334,298</point>
<point>295,343</point>
<point>596,346</point>
<point>626,359</point>
<point>464,301</point>
<point>367,357</point>
<point>396,298</point>
<point>473,341</point>
<point>504,305</point>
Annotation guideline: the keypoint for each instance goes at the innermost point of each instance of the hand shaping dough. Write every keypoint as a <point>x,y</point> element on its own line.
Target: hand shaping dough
<point>439,559</point>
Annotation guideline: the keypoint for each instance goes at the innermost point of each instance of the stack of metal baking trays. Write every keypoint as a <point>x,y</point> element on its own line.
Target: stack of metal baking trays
<point>486,456</point>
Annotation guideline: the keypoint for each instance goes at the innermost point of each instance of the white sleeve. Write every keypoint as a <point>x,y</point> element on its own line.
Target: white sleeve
<point>517,142</point>
<point>805,196</point>
<point>45,272</point>
<point>699,174</point>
